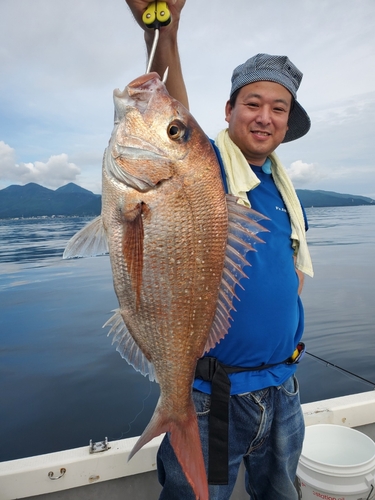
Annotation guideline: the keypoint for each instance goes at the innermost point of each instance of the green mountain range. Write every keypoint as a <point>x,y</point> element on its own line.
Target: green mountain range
<point>331,199</point>
<point>33,200</point>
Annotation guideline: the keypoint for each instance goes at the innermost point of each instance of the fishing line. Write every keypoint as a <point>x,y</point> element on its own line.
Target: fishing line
<point>328,363</point>
<point>124,433</point>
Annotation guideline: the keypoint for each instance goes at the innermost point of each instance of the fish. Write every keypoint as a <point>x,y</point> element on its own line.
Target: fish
<point>177,245</point>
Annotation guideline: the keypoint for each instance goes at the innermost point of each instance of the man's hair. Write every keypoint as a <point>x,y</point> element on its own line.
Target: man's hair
<point>233,98</point>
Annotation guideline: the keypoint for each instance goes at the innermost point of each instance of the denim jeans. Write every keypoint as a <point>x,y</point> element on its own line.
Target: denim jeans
<point>266,431</point>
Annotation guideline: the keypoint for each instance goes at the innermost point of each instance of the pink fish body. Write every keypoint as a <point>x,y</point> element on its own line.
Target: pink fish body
<point>177,245</point>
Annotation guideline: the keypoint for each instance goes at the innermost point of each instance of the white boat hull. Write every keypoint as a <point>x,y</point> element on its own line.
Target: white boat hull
<point>39,475</point>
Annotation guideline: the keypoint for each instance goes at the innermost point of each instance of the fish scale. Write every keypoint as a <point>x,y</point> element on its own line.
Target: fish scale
<point>177,246</point>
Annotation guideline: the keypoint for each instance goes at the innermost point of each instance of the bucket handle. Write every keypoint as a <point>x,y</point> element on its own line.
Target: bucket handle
<point>370,481</point>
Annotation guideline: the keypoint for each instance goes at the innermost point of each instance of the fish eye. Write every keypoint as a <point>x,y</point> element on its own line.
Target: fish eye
<point>176,130</point>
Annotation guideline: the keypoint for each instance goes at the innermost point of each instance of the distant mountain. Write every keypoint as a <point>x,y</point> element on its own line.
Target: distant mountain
<point>331,199</point>
<point>33,200</point>
<point>73,188</point>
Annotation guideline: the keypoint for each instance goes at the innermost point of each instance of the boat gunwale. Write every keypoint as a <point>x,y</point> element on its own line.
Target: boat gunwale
<point>26,477</point>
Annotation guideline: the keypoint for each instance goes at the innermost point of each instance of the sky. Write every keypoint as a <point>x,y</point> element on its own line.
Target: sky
<point>60,61</point>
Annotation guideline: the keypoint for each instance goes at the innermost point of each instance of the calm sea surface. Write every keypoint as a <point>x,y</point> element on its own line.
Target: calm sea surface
<point>62,383</point>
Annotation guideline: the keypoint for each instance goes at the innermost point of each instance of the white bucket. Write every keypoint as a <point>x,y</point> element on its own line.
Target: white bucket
<point>337,463</point>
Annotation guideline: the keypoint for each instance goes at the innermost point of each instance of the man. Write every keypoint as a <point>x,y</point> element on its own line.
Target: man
<point>265,428</point>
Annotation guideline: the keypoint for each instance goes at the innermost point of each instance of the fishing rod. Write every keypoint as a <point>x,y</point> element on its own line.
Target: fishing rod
<point>342,369</point>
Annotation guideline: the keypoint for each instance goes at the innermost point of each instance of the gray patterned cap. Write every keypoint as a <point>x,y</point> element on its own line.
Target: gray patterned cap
<point>278,69</point>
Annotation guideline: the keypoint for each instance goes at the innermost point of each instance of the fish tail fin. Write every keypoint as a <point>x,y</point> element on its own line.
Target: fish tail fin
<point>185,440</point>
<point>156,426</point>
<point>186,444</point>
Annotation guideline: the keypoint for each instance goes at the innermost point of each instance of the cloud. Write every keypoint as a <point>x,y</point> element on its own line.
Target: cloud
<point>59,68</point>
<point>302,173</point>
<point>7,159</point>
<point>55,172</point>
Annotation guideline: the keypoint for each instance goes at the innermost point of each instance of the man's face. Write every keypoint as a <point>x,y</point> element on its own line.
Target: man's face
<point>259,120</point>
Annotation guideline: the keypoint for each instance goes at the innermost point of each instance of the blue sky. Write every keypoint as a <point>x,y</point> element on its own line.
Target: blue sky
<point>61,60</point>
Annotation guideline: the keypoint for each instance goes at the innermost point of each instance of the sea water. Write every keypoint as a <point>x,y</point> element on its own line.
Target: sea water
<point>62,382</point>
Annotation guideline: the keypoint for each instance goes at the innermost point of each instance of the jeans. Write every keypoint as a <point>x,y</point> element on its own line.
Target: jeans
<point>266,431</point>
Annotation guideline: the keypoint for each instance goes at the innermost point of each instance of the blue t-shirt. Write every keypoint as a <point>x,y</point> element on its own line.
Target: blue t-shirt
<point>268,321</point>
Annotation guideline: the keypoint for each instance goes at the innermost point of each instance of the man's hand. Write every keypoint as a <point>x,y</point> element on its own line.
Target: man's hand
<point>166,55</point>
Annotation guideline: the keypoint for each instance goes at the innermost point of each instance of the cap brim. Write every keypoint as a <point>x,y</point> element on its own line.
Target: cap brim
<point>299,123</point>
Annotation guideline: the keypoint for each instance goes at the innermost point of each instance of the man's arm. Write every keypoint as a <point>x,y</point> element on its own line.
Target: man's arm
<point>301,277</point>
<point>167,55</point>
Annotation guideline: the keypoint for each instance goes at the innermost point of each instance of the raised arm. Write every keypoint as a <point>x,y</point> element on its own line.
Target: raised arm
<point>167,55</point>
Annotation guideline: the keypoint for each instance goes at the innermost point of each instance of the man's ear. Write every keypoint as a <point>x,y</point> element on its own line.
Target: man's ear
<point>228,111</point>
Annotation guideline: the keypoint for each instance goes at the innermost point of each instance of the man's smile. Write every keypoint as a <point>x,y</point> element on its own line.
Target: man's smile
<point>260,133</point>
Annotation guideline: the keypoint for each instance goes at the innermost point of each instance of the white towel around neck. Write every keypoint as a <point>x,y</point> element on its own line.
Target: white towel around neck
<point>242,179</point>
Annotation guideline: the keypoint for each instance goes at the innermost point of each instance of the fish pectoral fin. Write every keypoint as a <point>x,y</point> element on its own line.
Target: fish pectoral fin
<point>242,237</point>
<point>127,347</point>
<point>88,242</point>
<point>132,245</point>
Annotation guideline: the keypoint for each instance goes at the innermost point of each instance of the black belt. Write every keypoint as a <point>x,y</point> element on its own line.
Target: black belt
<point>211,370</point>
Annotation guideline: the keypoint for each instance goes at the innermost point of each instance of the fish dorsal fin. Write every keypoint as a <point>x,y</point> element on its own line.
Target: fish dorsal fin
<point>243,227</point>
<point>127,346</point>
<point>91,240</point>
